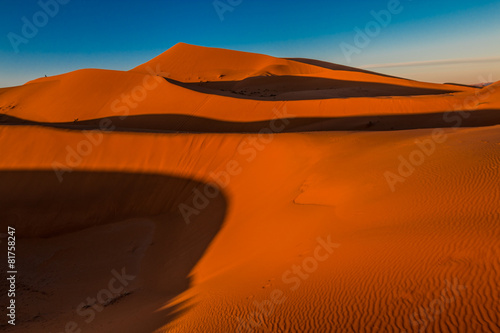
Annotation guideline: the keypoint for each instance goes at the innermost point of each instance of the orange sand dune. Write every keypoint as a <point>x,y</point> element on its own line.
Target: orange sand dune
<point>198,211</point>
<point>183,61</point>
<point>91,94</point>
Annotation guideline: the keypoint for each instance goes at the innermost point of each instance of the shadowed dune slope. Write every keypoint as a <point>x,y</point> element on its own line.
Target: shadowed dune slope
<point>101,198</point>
<point>77,234</point>
<point>288,87</point>
<point>178,123</point>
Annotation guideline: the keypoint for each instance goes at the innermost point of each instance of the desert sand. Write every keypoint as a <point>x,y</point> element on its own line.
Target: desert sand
<point>211,190</point>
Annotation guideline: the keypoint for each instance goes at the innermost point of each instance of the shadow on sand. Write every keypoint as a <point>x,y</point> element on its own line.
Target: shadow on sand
<point>74,236</point>
<point>171,123</point>
<point>295,88</point>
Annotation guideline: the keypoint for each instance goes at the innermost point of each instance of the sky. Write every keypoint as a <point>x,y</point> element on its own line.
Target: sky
<point>429,40</point>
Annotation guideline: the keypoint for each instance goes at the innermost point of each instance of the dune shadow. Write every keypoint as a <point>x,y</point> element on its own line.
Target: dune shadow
<point>293,88</point>
<point>177,123</point>
<point>72,234</point>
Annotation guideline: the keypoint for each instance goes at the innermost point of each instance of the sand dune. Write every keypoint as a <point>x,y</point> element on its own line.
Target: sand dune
<point>92,93</point>
<point>230,214</point>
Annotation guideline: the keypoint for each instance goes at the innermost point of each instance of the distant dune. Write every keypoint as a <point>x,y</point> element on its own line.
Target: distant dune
<point>211,190</point>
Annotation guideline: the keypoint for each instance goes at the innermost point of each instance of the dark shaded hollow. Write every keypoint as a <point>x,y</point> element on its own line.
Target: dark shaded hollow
<point>40,205</point>
<point>45,211</point>
<point>290,88</point>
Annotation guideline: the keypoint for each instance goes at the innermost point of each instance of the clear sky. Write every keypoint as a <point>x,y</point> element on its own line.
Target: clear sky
<point>441,41</point>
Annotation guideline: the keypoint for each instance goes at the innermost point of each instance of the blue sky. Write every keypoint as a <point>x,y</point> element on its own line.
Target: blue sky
<point>122,34</point>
